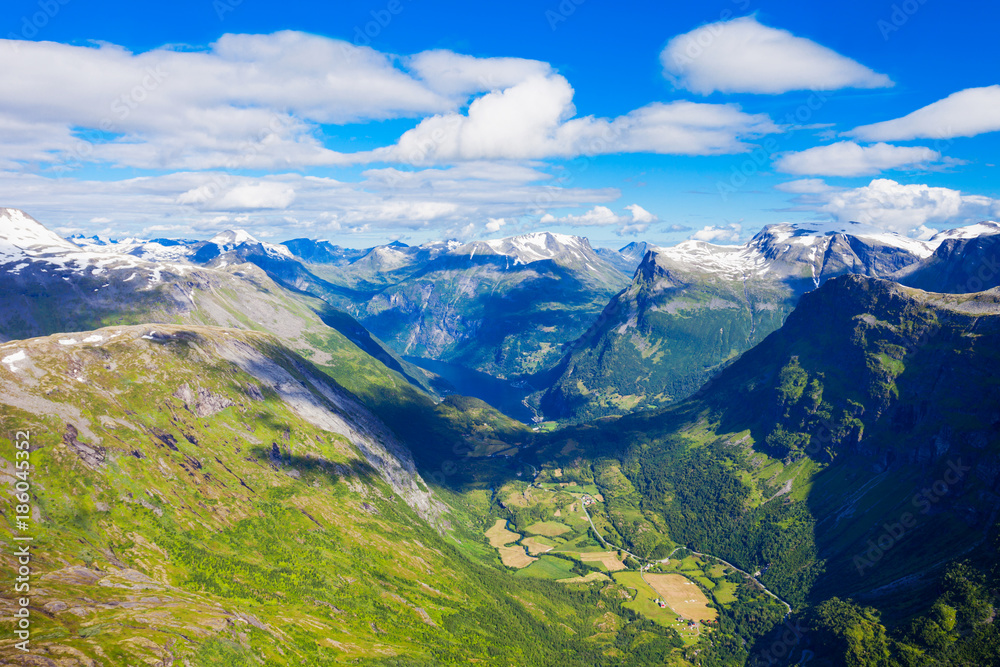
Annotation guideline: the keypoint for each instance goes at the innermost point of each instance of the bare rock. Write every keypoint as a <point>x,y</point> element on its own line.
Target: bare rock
<point>93,455</point>
<point>202,402</point>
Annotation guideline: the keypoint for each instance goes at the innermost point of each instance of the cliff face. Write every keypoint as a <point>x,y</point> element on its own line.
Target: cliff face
<point>693,308</point>
<point>957,266</point>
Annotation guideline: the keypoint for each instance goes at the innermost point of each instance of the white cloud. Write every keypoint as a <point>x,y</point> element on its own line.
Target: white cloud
<point>847,158</point>
<point>805,186</point>
<point>197,204</point>
<point>905,209</point>
<point>254,196</point>
<point>534,120</point>
<point>744,56</point>
<point>248,101</point>
<point>453,74</point>
<point>493,225</point>
<point>963,114</point>
<point>637,221</point>
<point>259,101</point>
<point>639,214</point>
<point>719,234</point>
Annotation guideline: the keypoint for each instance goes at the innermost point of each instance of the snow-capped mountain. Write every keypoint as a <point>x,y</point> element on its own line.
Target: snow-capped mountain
<point>324,252</point>
<point>534,247</point>
<point>21,237</point>
<point>784,251</point>
<point>501,306</point>
<point>826,249</point>
<point>240,242</point>
<point>965,260</point>
<point>28,247</point>
<point>227,247</point>
<point>696,305</point>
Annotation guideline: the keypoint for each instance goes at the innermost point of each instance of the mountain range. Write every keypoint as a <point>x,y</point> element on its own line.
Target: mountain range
<point>233,462</point>
<point>694,307</point>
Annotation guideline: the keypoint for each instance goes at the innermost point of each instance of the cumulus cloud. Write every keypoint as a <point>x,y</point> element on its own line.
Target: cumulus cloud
<point>963,114</point>
<point>252,100</point>
<point>493,225</point>
<point>248,101</point>
<point>198,204</point>
<point>454,74</point>
<point>902,208</point>
<point>847,158</point>
<point>639,214</point>
<point>744,56</point>
<point>534,119</point>
<point>259,102</point>
<point>719,233</point>
<point>637,221</point>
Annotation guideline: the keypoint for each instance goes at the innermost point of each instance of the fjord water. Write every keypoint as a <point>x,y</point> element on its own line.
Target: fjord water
<point>501,394</point>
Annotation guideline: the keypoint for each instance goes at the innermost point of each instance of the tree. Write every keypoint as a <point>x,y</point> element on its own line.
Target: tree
<point>852,633</point>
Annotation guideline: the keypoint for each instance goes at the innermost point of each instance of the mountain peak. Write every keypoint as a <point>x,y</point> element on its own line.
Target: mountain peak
<point>233,237</point>
<point>985,228</point>
<point>21,236</point>
<point>535,246</point>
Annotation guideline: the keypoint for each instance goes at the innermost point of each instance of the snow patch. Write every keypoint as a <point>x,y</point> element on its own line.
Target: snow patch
<point>12,359</point>
<point>233,237</point>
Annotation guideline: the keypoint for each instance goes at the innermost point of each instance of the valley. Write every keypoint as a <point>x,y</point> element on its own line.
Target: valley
<point>231,469</point>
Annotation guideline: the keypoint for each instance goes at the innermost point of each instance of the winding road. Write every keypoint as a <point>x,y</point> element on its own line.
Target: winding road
<point>607,544</point>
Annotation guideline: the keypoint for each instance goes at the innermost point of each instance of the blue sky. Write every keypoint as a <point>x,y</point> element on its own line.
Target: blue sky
<point>363,122</point>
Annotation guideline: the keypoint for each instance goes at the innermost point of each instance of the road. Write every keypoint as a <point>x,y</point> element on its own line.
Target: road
<point>607,544</point>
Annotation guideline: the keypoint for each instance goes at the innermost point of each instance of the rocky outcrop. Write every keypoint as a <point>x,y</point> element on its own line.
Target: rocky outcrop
<point>92,455</point>
<point>201,401</point>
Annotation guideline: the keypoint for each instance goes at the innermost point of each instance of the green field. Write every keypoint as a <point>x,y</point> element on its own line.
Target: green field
<point>725,593</point>
<point>548,528</point>
<point>548,567</point>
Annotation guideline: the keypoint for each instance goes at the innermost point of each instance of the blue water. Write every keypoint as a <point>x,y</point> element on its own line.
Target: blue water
<point>467,382</point>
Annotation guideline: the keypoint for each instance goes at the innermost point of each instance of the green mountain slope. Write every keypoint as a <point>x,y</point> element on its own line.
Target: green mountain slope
<point>205,496</point>
<point>694,307</point>
<point>500,307</point>
<point>854,453</point>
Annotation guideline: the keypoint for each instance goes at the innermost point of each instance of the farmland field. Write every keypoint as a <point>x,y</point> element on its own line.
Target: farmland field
<point>608,559</point>
<point>514,556</point>
<point>548,567</point>
<point>548,528</point>
<point>593,576</point>
<point>725,593</point>
<point>683,596</point>
<point>536,545</point>
<point>498,535</point>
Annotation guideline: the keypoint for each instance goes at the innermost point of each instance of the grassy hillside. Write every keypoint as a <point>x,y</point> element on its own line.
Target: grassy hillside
<point>206,496</point>
<point>854,453</point>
